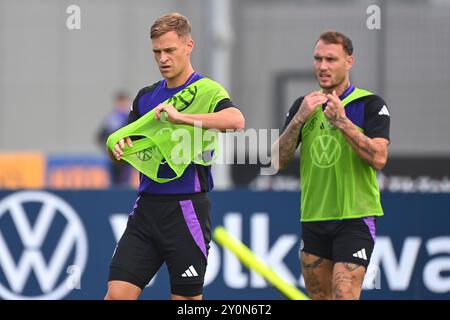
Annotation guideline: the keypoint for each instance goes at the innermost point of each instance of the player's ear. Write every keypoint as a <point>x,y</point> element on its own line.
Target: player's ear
<point>349,60</point>
<point>190,44</point>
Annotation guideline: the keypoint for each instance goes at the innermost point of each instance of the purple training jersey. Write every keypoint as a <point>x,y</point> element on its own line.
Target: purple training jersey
<point>196,178</point>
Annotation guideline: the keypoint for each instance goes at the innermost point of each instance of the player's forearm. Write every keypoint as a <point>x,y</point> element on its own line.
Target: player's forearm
<point>283,149</point>
<point>368,149</point>
<point>231,119</point>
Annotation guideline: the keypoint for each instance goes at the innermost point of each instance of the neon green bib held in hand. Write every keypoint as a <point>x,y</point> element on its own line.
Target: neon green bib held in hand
<point>177,145</point>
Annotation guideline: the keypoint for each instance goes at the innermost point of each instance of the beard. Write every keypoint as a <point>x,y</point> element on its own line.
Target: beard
<point>332,83</point>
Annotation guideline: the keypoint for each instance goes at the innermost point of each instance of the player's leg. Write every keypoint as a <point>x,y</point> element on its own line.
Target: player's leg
<point>186,234</point>
<point>317,273</point>
<point>122,290</point>
<point>347,280</point>
<point>177,297</point>
<point>136,258</point>
<point>316,260</point>
<point>353,247</point>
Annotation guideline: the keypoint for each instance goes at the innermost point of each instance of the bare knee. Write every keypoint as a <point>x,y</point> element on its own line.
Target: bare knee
<point>121,290</point>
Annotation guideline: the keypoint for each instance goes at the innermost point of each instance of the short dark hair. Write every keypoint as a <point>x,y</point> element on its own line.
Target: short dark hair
<point>336,37</point>
<point>171,22</point>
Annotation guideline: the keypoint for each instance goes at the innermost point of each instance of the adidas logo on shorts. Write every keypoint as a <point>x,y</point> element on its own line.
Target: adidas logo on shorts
<point>360,254</point>
<point>190,272</point>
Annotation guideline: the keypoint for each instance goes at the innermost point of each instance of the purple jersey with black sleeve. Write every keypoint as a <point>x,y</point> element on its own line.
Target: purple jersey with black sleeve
<point>196,178</point>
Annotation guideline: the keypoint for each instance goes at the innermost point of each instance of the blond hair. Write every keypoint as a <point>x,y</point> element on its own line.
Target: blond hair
<point>171,22</point>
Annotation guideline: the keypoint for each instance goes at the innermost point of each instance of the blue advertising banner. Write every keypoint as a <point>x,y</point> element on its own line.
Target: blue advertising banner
<point>58,245</point>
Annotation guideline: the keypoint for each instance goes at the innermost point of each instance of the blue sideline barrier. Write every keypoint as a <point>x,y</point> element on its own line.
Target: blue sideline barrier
<point>58,244</point>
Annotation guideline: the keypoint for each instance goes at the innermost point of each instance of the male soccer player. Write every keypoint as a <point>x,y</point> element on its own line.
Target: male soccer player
<point>170,221</point>
<point>344,136</point>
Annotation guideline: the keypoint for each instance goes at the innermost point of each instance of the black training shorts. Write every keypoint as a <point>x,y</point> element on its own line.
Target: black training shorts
<point>175,229</point>
<point>348,240</point>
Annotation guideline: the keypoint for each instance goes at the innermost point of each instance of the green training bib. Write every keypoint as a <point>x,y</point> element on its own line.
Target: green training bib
<point>336,183</point>
<point>177,145</point>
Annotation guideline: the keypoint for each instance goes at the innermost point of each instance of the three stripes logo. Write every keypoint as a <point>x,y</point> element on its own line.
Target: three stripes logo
<point>384,111</point>
<point>360,254</point>
<point>190,272</point>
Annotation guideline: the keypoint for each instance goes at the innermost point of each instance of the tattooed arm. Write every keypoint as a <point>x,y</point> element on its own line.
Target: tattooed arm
<point>283,149</point>
<point>373,150</point>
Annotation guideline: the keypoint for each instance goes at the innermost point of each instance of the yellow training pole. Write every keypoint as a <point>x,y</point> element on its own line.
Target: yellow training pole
<point>253,262</point>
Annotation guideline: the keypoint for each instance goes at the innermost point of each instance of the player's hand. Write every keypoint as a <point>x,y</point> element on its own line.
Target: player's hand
<point>171,114</point>
<point>335,111</point>
<point>120,146</point>
<point>309,104</point>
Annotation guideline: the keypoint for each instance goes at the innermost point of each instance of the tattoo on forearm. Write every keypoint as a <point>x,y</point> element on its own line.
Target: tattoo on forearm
<point>364,144</point>
<point>340,121</point>
<point>368,147</point>
<point>335,118</point>
<point>288,142</point>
